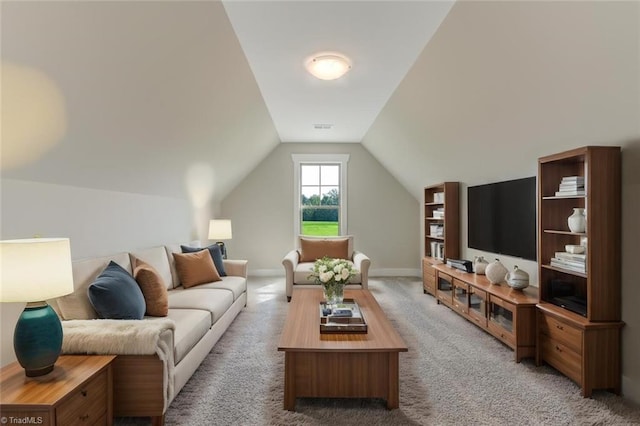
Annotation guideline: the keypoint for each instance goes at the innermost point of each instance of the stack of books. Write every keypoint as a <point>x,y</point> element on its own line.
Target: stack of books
<point>570,261</point>
<point>437,250</point>
<point>439,213</point>
<point>571,186</point>
<point>436,230</point>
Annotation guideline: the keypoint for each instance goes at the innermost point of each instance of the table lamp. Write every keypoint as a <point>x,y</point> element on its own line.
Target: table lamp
<point>32,271</point>
<point>220,229</point>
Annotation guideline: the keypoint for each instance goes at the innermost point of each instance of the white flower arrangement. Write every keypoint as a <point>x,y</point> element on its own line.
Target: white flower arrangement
<point>328,270</point>
<point>332,274</point>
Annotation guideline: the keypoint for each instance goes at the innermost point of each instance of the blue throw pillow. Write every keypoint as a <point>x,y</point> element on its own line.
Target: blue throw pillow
<point>115,294</point>
<point>216,255</point>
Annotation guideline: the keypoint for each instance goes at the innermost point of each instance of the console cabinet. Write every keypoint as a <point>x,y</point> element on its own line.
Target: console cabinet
<point>507,314</point>
<point>578,317</point>
<point>441,229</point>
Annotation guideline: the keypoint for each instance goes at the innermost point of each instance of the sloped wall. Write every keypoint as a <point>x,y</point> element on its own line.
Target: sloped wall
<point>504,83</point>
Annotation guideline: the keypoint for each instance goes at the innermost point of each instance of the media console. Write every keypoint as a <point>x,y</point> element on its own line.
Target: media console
<point>507,314</point>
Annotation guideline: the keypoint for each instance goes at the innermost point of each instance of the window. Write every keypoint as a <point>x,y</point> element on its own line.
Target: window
<point>320,194</point>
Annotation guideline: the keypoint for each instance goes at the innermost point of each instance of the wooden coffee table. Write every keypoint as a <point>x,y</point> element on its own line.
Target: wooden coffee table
<point>339,365</point>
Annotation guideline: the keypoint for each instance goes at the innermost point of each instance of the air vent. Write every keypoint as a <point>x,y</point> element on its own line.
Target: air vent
<point>323,126</point>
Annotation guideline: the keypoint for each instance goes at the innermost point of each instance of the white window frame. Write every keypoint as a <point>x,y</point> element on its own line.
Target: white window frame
<point>298,161</point>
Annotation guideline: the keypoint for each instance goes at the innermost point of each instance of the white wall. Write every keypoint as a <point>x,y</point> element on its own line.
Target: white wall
<point>97,223</point>
<point>382,215</point>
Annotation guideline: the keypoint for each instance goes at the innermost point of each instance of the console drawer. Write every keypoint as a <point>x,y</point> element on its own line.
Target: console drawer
<point>563,358</point>
<point>562,332</point>
<point>87,405</point>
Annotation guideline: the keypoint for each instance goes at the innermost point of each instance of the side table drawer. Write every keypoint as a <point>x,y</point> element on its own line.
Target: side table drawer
<point>86,406</point>
<point>562,332</point>
<point>562,358</point>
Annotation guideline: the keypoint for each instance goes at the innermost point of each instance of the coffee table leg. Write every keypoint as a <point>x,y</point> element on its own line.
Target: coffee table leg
<point>393,398</point>
<point>289,381</point>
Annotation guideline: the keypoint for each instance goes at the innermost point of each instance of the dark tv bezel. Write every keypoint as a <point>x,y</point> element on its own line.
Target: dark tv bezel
<point>529,253</point>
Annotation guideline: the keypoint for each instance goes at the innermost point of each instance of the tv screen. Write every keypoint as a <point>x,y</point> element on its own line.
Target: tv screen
<point>502,217</point>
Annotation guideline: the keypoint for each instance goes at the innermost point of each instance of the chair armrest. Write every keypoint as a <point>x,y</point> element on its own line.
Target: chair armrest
<point>290,261</point>
<point>236,268</point>
<point>361,262</point>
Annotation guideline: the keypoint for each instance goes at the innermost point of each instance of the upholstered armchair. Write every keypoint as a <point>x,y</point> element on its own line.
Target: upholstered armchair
<point>298,263</point>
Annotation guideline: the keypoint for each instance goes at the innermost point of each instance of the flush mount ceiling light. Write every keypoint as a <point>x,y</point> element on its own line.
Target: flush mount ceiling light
<point>328,66</point>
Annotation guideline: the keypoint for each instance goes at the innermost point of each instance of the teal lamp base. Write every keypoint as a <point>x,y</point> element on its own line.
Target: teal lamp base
<point>37,339</point>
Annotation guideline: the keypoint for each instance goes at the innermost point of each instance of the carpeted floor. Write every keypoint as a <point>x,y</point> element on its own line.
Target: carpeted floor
<point>453,374</point>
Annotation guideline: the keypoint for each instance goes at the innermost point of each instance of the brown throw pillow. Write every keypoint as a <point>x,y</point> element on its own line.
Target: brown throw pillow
<point>153,289</point>
<point>195,268</point>
<point>312,249</point>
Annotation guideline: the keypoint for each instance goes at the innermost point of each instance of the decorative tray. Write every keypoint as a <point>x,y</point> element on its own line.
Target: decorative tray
<point>345,317</point>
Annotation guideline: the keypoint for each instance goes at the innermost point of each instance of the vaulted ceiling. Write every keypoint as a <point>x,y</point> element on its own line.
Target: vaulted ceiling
<point>187,97</point>
<point>381,39</point>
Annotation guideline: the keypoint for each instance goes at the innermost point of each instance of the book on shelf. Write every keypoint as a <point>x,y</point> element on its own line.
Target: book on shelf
<point>571,256</point>
<point>576,263</point>
<point>573,179</point>
<point>563,264</point>
<point>570,186</point>
<point>570,193</point>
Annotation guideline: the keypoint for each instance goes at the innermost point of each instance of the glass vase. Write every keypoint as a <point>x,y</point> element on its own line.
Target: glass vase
<point>339,293</point>
<point>329,294</point>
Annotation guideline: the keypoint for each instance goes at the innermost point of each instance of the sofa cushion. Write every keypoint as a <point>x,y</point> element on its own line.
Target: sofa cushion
<point>153,289</point>
<point>175,248</point>
<point>237,285</point>
<point>304,269</point>
<point>216,256</point>
<point>116,295</point>
<point>195,268</point>
<point>312,249</point>
<point>191,326</point>
<point>157,258</point>
<point>215,301</point>
<point>77,305</point>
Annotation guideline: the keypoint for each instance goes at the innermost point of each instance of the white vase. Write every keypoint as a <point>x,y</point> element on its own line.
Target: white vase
<point>495,272</point>
<point>479,265</point>
<point>577,221</point>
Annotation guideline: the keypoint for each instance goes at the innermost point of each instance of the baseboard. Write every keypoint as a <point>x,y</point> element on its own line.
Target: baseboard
<point>383,272</point>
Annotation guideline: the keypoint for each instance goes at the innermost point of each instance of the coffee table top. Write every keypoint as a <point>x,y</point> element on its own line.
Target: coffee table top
<point>301,332</point>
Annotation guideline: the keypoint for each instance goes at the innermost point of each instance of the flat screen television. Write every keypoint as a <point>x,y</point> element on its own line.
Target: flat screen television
<point>502,217</point>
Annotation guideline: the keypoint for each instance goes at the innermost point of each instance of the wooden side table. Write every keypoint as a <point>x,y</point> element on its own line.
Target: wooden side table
<point>79,391</point>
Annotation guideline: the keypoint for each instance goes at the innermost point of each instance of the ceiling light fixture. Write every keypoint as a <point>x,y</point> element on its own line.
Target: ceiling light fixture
<point>328,66</point>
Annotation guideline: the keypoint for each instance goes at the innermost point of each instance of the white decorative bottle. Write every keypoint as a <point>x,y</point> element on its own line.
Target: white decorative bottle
<point>495,272</point>
<point>577,221</point>
<point>479,265</point>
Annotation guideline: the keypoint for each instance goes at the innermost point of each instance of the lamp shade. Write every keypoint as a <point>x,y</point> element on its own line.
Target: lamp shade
<point>35,269</point>
<point>219,229</point>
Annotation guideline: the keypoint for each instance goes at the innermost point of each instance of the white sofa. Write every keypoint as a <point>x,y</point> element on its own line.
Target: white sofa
<point>297,272</point>
<point>145,384</point>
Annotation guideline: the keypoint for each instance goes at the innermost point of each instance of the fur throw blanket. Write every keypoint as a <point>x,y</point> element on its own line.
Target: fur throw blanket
<point>123,337</point>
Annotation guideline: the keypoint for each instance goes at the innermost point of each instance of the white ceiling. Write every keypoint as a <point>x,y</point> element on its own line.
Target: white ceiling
<point>382,39</point>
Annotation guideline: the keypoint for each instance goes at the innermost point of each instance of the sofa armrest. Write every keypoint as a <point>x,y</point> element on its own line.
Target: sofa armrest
<point>290,262</point>
<point>361,262</point>
<point>236,268</point>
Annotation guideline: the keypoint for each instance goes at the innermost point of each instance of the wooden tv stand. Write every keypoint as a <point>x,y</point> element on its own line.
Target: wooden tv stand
<point>507,314</point>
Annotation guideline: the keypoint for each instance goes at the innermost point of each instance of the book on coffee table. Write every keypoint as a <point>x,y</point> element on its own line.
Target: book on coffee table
<point>345,317</point>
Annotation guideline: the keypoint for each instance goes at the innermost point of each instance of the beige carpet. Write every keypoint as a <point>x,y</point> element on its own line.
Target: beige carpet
<point>453,374</point>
